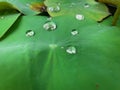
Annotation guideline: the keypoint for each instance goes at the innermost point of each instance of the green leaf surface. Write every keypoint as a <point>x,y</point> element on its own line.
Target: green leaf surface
<point>8,16</point>
<point>6,6</point>
<point>41,62</point>
<point>88,8</point>
<point>24,6</point>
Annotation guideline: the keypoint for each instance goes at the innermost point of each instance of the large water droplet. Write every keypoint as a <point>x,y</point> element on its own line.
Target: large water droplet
<point>50,26</point>
<point>30,33</point>
<point>71,50</point>
<point>79,17</point>
<point>74,32</point>
<point>86,5</point>
<point>54,9</point>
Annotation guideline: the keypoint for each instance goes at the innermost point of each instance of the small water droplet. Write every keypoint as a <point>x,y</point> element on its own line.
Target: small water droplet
<point>71,50</point>
<point>30,33</point>
<point>79,17</point>
<point>50,26</point>
<point>74,32</point>
<point>54,9</point>
<point>86,5</point>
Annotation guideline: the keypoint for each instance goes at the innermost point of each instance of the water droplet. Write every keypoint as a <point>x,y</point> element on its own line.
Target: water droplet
<point>74,32</point>
<point>71,50</point>
<point>86,5</point>
<point>79,17</point>
<point>54,9</point>
<point>30,33</point>
<point>50,26</point>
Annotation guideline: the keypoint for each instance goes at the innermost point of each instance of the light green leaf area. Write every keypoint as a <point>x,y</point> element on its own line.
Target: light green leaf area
<point>24,6</point>
<point>59,59</point>
<point>8,16</point>
<point>89,8</point>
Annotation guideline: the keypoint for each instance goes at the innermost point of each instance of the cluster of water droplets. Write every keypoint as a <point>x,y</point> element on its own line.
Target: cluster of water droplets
<point>50,25</point>
<point>54,9</point>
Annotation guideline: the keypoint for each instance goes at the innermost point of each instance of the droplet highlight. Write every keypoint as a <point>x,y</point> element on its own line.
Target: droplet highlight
<point>71,50</point>
<point>30,33</point>
<point>74,32</point>
<point>79,17</point>
<point>49,26</point>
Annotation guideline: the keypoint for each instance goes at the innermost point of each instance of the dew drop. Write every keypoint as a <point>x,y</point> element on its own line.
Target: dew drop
<point>54,9</point>
<point>50,26</point>
<point>71,50</point>
<point>86,5</point>
<point>51,9</point>
<point>30,33</point>
<point>79,17</point>
<point>74,32</point>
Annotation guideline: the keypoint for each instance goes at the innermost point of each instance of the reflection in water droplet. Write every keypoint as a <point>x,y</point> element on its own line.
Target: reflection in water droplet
<point>71,50</point>
<point>79,17</point>
<point>86,5</point>
<point>50,26</point>
<point>30,33</point>
<point>74,32</point>
<point>54,9</point>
